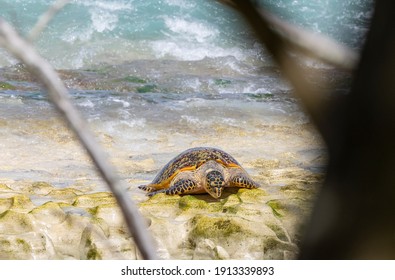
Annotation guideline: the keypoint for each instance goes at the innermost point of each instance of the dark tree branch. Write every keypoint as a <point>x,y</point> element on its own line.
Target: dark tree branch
<point>354,215</point>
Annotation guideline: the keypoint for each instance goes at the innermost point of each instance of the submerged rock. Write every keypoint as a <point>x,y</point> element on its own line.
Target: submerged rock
<point>12,222</point>
<point>41,188</point>
<point>4,188</point>
<point>31,245</point>
<point>49,209</point>
<point>94,199</point>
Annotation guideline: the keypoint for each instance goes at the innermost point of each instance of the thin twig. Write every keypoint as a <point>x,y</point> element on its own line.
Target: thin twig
<point>58,93</point>
<point>313,101</point>
<point>312,44</point>
<point>45,18</point>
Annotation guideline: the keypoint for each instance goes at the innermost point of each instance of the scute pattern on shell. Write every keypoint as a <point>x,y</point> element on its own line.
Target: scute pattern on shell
<point>193,158</point>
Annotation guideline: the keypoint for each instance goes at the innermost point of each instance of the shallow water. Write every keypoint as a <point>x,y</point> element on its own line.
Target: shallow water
<point>143,130</point>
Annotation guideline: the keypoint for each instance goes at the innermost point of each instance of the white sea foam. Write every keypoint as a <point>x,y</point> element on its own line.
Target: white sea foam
<point>103,20</point>
<point>75,33</point>
<point>133,123</point>
<point>193,31</point>
<point>188,39</point>
<point>254,89</point>
<point>104,16</point>
<point>189,51</point>
<point>191,120</point>
<point>87,103</point>
<point>110,6</point>
<point>194,84</point>
<point>181,3</point>
<point>125,104</point>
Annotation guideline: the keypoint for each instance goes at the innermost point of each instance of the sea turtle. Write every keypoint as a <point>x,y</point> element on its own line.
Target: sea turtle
<point>200,170</point>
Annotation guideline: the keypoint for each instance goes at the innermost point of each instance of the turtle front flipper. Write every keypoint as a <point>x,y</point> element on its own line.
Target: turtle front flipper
<point>241,179</point>
<point>180,186</point>
<point>147,188</point>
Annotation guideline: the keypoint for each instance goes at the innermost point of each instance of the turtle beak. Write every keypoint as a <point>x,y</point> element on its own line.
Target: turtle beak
<point>218,192</point>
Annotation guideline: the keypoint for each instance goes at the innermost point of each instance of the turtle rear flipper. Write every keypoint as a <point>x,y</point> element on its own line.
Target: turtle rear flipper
<point>181,186</point>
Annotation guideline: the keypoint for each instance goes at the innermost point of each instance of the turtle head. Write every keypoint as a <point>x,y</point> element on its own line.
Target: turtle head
<point>215,183</point>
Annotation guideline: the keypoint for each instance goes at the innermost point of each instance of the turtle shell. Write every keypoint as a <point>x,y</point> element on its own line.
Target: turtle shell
<point>191,159</point>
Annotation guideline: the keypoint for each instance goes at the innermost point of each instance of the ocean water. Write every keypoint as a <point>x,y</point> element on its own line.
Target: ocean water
<point>89,32</point>
<point>154,78</point>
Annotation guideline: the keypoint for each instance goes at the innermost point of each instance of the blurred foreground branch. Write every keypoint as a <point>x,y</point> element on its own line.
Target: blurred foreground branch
<point>39,67</point>
<point>314,102</point>
<point>307,42</point>
<point>354,215</point>
<point>46,18</point>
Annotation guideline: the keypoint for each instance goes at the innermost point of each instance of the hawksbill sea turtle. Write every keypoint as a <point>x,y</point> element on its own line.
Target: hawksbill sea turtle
<point>200,170</point>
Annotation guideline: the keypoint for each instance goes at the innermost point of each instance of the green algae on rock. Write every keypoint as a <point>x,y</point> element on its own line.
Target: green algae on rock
<point>132,79</point>
<point>21,203</point>
<point>277,208</point>
<point>4,188</point>
<point>192,202</point>
<point>41,188</point>
<point>5,204</point>
<point>25,246</point>
<point>65,195</point>
<point>222,82</point>
<point>94,199</point>
<point>70,224</point>
<point>147,88</point>
<point>214,227</point>
<point>49,209</point>
<point>12,222</point>
<point>6,86</point>
<point>59,230</point>
<point>237,226</point>
<point>110,214</point>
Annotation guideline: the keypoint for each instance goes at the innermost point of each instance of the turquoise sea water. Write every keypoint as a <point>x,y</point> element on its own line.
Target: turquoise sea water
<point>87,32</point>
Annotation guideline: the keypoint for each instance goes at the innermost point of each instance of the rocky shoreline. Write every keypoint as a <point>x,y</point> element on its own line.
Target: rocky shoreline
<point>40,221</point>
